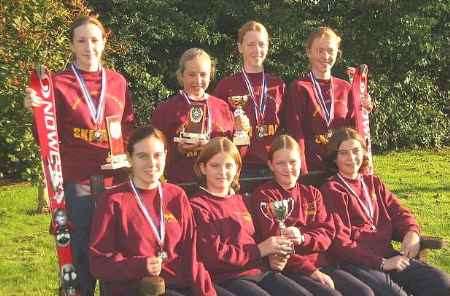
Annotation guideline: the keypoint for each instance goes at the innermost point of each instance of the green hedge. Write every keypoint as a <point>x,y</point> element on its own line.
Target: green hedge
<point>405,44</point>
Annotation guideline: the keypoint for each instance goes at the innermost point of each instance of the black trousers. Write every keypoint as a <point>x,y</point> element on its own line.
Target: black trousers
<point>345,283</point>
<point>271,283</point>
<point>187,292</point>
<point>418,279</point>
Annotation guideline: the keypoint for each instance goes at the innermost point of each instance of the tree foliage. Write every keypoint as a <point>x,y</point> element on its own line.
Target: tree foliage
<point>405,44</point>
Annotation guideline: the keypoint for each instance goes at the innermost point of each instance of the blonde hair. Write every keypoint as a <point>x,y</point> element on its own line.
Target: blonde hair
<point>250,26</point>
<point>189,55</point>
<point>322,32</point>
<point>216,146</point>
<point>282,142</point>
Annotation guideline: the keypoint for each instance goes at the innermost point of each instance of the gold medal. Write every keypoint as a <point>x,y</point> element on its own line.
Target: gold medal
<point>196,114</point>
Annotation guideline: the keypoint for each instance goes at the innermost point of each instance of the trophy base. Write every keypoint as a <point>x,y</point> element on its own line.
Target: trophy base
<point>241,140</point>
<point>152,286</point>
<point>190,138</point>
<point>117,162</point>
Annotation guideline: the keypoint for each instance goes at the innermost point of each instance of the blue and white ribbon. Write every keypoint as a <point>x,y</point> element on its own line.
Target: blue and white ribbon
<point>96,112</point>
<point>327,114</point>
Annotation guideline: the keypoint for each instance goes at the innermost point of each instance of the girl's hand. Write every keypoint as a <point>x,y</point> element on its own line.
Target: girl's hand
<point>31,99</point>
<point>275,245</point>
<point>322,278</point>
<point>410,244</point>
<point>154,265</point>
<point>277,262</point>
<point>294,234</point>
<point>397,263</point>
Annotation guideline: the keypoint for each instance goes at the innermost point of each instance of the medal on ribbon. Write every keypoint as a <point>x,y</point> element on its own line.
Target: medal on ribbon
<point>97,113</point>
<point>327,113</point>
<point>161,233</point>
<point>367,205</point>
<point>260,109</point>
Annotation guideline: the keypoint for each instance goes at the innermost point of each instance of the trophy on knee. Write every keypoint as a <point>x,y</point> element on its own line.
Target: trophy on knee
<point>195,129</point>
<point>241,134</point>
<point>278,210</point>
<point>117,157</point>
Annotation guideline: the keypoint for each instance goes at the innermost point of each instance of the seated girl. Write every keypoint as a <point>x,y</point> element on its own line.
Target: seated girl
<point>146,228</point>
<point>367,218</point>
<point>309,226</point>
<point>226,235</point>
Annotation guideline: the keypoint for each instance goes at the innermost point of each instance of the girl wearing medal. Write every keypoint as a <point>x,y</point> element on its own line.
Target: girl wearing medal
<point>226,235</point>
<point>264,97</point>
<point>319,102</point>
<point>309,226</point>
<point>191,107</point>
<point>146,228</point>
<point>85,93</point>
<point>368,217</point>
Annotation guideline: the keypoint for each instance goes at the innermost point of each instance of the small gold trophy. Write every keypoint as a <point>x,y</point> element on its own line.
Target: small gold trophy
<point>240,137</point>
<point>195,129</point>
<point>117,158</point>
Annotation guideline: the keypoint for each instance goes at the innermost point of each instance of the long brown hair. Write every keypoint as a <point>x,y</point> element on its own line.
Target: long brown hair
<point>215,146</point>
<point>340,135</point>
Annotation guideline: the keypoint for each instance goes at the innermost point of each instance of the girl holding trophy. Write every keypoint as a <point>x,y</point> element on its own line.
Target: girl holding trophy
<point>368,217</point>
<point>192,117</point>
<point>226,234</point>
<point>255,97</point>
<point>146,228</point>
<point>85,94</point>
<point>302,217</point>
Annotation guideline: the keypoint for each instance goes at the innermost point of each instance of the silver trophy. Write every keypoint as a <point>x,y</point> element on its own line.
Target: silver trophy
<point>278,210</point>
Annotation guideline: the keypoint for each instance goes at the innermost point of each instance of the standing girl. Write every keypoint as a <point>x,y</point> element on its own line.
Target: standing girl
<point>318,102</point>
<point>171,117</point>
<point>146,228</point>
<point>264,93</point>
<point>368,217</point>
<point>225,228</point>
<point>85,94</point>
<point>308,225</point>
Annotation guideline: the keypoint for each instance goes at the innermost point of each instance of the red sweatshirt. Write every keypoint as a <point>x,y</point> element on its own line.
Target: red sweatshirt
<point>81,154</point>
<point>356,241</point>
<point>304,120</point>
<point>122,239</point>
<point>170,116</point>
<point>226,236</point>
<point>309,216</point>
<point>256,153</point>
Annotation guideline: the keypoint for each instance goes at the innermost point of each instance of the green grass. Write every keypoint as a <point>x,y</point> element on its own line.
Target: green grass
<point>27,256</point>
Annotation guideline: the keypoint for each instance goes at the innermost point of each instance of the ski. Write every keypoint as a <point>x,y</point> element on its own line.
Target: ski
<point>47,134</point>
<point>359,80</point>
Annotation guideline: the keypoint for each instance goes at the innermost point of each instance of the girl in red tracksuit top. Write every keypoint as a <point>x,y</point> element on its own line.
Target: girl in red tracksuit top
<point>265,93</point>
<point>226,235</point>
<point>194,74</point>
<point>367,218</point>
<point>145,228</point>
<point>308,225</point>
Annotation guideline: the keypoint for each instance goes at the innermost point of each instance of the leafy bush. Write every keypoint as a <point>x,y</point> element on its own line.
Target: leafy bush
<point>32,32</point>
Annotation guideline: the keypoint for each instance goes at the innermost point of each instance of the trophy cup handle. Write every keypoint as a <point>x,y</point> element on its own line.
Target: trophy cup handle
<point>263,206</point>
